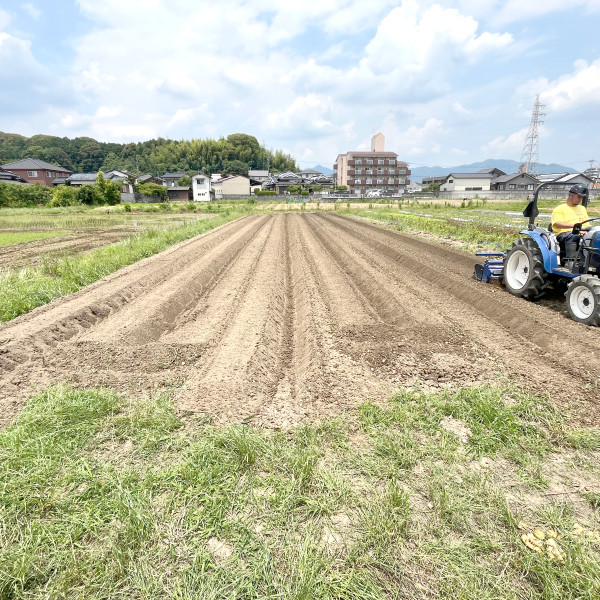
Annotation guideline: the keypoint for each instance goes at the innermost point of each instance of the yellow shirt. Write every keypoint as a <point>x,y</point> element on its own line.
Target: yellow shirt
<point>568,214</point>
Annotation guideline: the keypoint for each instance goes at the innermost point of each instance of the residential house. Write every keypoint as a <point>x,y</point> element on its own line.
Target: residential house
<point>231,185</point>
<point>178,193</point>
<point>515,182</point>
<point>150,179</point>
<point>171,179</point>
<point>123,178</point>
<point>427,181</point>
<point>10,177</point>
<point>201,188</point>
<point>79,179</point>
<point>564,181</point>
<point>258,176</point>
<point>466,182</point>
<point>37,171</point>
<point>362,171</point>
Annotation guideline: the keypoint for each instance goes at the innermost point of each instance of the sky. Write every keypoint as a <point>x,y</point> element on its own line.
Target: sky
<point>448,82</point>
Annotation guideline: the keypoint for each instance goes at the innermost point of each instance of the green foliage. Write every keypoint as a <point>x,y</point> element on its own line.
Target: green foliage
<point>64,195</point>
<point>265,193</point>
<point>185,181</point>
<point>90,195</point>
<point>14,195</point>
<point>237,153</point>
<point>154,190</point>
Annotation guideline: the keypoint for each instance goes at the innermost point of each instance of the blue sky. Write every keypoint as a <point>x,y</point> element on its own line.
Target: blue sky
<point>447,82</point>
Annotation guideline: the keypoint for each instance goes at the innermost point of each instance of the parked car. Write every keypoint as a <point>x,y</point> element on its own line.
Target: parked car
<point>374,194</point>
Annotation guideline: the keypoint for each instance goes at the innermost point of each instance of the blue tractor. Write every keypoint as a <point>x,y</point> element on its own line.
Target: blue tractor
<point>537,263</point>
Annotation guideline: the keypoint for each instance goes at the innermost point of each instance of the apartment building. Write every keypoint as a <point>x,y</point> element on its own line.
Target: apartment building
<point>363,171</point>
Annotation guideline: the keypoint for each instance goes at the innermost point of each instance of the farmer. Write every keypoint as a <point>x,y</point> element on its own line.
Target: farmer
<point>568,214</point>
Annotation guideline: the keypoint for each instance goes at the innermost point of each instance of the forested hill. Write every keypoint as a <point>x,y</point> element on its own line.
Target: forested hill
<point>235,154</point>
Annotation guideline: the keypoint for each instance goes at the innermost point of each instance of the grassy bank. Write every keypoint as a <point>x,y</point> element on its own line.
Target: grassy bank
<point>102,496</point>
<point>25,289</point>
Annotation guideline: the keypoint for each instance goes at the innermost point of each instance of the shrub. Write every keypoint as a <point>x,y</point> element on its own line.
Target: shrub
<point>64,195</point>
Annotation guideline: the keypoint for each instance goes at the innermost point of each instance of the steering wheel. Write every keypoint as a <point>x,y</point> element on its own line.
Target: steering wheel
<point>577,228</point>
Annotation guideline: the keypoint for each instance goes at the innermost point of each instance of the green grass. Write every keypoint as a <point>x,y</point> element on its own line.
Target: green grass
<point>104,496</point>
<point>25,289</point>
<point>8,239</point>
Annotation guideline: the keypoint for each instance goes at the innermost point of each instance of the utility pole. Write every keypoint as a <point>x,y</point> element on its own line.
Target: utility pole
<point>530,155</point>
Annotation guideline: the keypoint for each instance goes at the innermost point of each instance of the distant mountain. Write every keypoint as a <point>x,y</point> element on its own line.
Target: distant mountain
<point>322,169</point>
<point>508,166</point>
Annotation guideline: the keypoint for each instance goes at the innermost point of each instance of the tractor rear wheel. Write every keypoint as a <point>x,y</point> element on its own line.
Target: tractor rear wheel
<point>524,273</point>
<point>583,300</point>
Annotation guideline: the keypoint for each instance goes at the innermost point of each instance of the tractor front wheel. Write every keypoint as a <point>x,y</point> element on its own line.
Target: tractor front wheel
<point>583,300</point>
<point>524,273</point>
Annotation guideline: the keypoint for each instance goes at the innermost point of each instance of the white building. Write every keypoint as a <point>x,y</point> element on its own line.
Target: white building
<point>231,185</point>
<point>201,187</point>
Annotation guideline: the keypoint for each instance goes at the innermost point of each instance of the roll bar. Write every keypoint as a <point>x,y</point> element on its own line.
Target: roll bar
<point>531,210</point>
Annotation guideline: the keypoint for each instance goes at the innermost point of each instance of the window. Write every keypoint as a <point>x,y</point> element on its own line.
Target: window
<point>402,171</point>
<point>49,174</point>
<point>512,186</point>
<point>369,181</point>
<point>369,171</point>
<point>391,171</point>
<point>402,180</point>
<point>380,161</point>
<point>31,173</point>
<point>359,171</point>
<point>391,161</point>
<point>369,161</point>
<point>379,171</point>
<point>379,181</point>
<point>359,161</point>
<point>450,180</point>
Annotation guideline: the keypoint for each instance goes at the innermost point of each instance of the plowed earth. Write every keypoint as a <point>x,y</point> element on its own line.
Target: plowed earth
<point>32,253</point>
<point>290,317</point>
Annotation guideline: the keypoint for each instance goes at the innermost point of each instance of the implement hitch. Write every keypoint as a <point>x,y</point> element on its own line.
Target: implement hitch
<point>492,268</point>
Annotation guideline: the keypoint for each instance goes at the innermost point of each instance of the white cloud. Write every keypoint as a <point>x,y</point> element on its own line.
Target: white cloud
<point>33,11</point>
<point>414,141</point>
<point>572,90</point>
<point>311,113</point>
<point>4,19</point>
<point>505,146</point>
<point>458,108</point>
<point>413,41</point>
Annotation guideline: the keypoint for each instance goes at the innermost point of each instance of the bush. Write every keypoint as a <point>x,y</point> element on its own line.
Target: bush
<point>127,207</point>
<point>64,195</point>
<point>154,190</point>
<point>90,195</point>
<point>16,195</point>
<point>265,193</point>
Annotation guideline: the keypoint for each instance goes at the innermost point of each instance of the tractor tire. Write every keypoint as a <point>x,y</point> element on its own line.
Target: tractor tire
<point>583,300</point>
<point>524,273</point>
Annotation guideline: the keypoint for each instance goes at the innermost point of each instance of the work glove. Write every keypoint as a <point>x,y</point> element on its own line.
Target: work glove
<point>577,228</point>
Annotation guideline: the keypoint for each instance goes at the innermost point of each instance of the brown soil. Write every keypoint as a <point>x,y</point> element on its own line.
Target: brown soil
<point>32,253</point>
<point>290,317</point>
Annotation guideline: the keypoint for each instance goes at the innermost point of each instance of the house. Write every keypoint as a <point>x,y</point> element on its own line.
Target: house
<point>172,178</point>
<point>201,188</point>
<point>10,177</point>
<point>466,182</point>
<point>258,175</point>
<point>515,182</point>
<point>150,179</point>
<point>363,171</point>
<point>231,185</point>
<point>178,193</point>
<point>79,179</point>
<point>123,178</point>
<point>37,171</point>
<point>566,179</point>
<point>427,181</point>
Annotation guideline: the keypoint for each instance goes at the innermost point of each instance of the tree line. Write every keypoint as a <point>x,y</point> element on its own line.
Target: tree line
<point>235,154</point>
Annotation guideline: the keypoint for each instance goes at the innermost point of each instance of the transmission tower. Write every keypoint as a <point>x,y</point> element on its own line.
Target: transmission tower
<point>530,155</point>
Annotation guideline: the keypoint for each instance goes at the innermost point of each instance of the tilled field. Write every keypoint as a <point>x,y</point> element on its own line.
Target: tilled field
<point>277,319</point>
<point>33,253</point>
